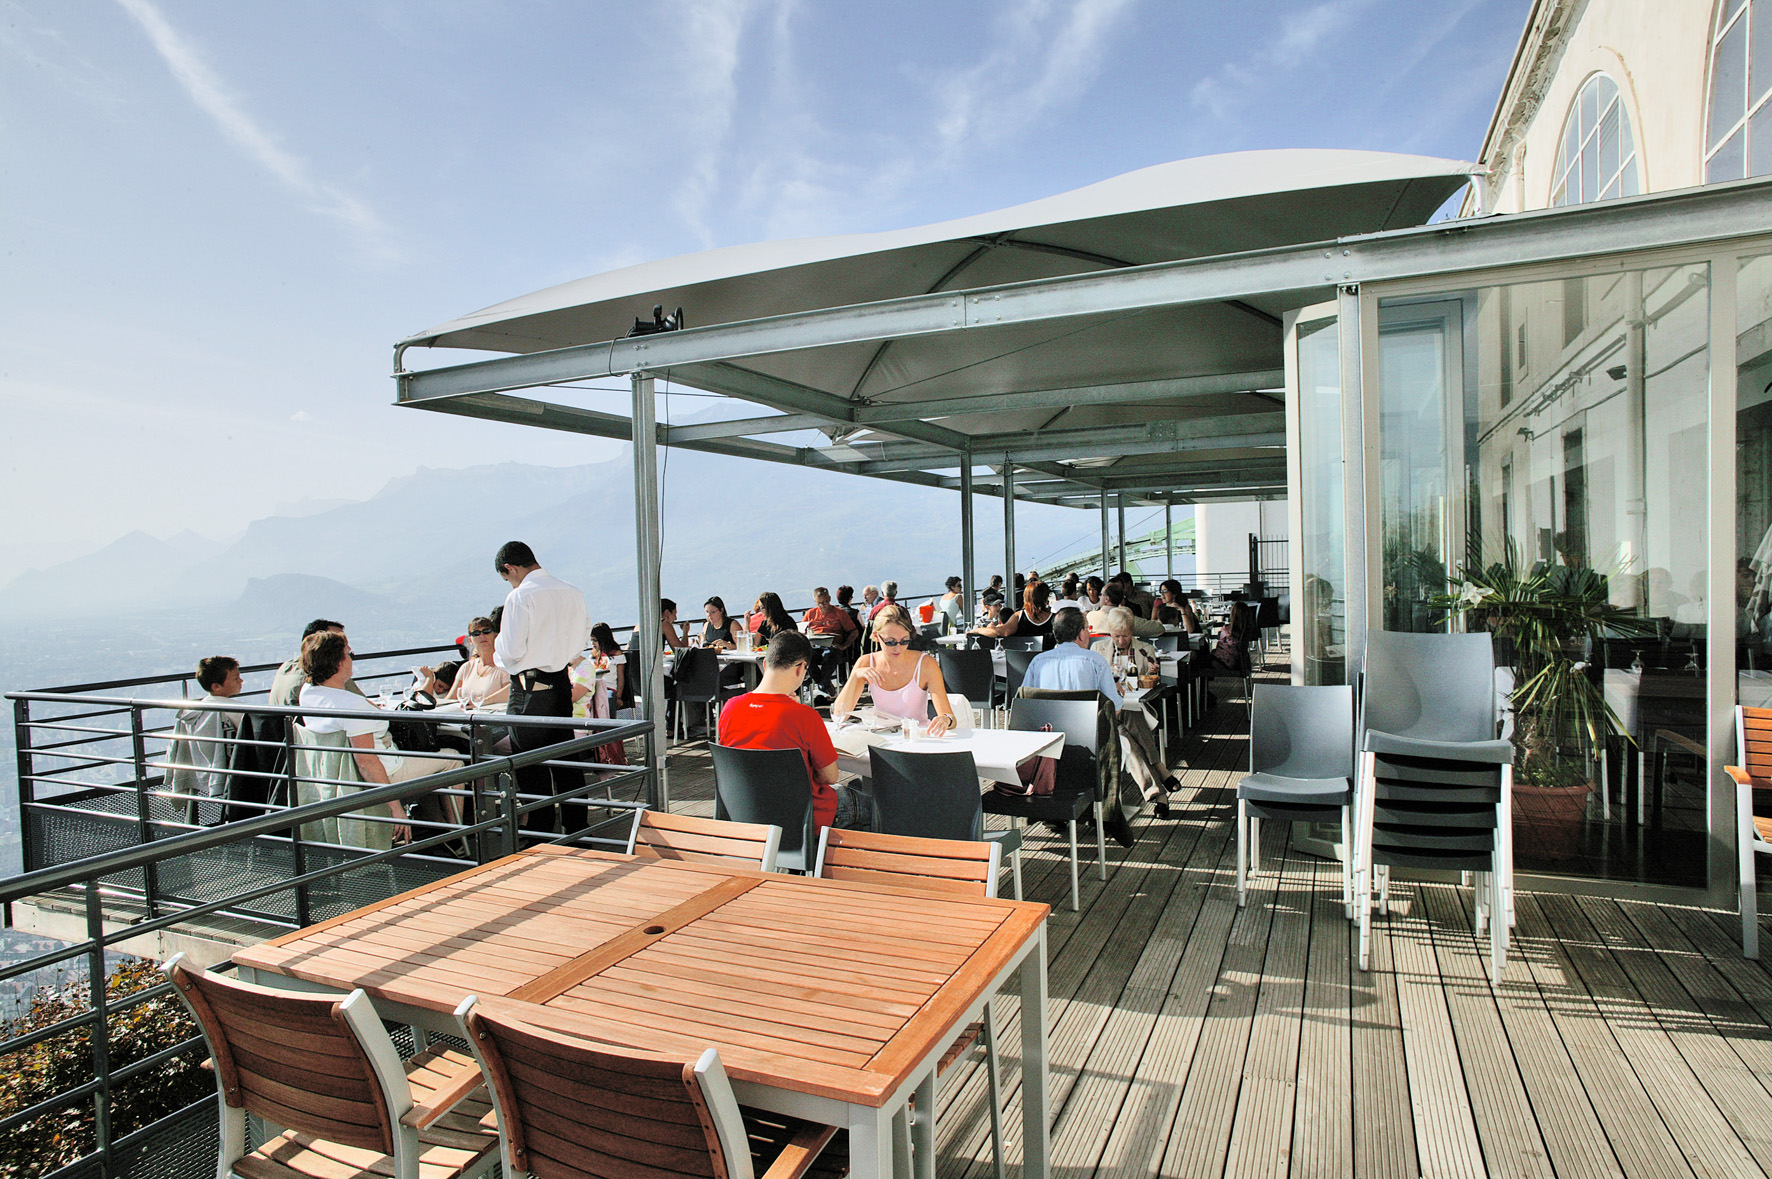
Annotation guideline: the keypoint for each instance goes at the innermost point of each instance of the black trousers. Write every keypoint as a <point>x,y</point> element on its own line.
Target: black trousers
<point>544,693</point>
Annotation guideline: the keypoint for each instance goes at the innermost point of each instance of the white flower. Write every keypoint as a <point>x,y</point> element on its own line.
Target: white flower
<point>1469,594</point>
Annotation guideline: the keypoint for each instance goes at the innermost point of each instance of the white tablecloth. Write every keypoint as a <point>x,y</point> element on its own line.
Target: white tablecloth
<point>996,752</point>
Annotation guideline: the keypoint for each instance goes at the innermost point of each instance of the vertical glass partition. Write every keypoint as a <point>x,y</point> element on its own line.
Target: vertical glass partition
<point>1322,600</point>
<point>1544,476</point>
<point>1753,482</point>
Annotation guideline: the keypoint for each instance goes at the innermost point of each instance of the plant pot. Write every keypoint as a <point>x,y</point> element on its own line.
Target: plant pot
<point>1548,821</point>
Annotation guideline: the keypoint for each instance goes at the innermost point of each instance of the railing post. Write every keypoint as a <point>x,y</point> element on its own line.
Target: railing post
<point>101,1031</point>
<point>298,860</point>
<point>143,819</point>
<point>478,787</point>
<point>507,784</point>
<point>27,779</point>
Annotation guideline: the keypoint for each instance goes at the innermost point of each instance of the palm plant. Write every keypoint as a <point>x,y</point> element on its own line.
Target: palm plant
<point>1551,616</point>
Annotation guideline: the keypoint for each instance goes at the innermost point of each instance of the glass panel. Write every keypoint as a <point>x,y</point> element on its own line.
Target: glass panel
<point>1760,59</point>
<point>1729,8</point>
<point>1727,163</point>
<point>1627,181</point>
<point>1728,83</point>
<point>1324,600</point>
<point>1590,171</point>
<point>1567,170</point>
<point>1753,482</point>
<point>1584,493</point>
<point>1759,130</point>
<point>1609,154</point>
<point>1590,107</point>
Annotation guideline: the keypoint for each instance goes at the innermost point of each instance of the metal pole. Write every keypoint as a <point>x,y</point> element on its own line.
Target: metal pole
<point>649,556</point>
<point>1104,537</point>
<point>1636,552</point>
<point>1169,540</point>
<point>1009,534</point>
<point>967,577</point>
<point>1120,510</point>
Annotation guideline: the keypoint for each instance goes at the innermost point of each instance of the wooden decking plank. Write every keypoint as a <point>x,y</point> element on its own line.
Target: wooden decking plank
<point>1384,1126</point>
<point>1713,975</point>
<point>1506,1125</point>
<point>1445,1124</point>
<point>1261,1134</point>
<point>1573,1137</point>
<point>1739,1096</point>
<point>1323,1112</point>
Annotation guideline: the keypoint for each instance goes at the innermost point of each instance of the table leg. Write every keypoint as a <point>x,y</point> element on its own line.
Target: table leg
<point>1033,1060</point>
<point>923,1130</point>
<point>870,1143</point>
<point>902,1152</point>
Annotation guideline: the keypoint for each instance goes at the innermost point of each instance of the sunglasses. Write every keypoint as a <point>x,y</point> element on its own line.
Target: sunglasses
<point>895,642</point>
<point>479,634</point>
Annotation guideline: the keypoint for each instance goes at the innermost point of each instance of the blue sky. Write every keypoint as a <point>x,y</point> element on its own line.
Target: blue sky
<point>218,217</point>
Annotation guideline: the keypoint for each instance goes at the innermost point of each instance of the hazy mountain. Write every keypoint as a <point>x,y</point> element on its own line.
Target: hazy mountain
<point>133,572</point>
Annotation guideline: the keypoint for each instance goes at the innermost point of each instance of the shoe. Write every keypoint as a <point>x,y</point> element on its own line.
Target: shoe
<point>1162,809</point>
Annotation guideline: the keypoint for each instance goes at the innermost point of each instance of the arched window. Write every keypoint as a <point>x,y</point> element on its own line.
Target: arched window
<point>1598,156</point>
<point>1738,123</point>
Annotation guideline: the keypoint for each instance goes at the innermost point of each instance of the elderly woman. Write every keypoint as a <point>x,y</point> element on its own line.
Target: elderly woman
<point>903,683</point>
<point>326,662</point>
<point>1138,740</point>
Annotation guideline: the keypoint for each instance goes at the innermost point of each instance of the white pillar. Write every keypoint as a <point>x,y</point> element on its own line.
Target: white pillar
<point>649,557</point>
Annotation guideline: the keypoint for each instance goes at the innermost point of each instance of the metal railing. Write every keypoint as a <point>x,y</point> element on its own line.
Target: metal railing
<point>167,875</point>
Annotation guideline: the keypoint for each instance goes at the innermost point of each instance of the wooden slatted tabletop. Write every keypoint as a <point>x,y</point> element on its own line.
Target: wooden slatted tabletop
<point>830,988</point>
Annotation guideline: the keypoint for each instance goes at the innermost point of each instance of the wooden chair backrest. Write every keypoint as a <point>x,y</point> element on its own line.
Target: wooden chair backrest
<point>1753,730</point>
<point>662,835</point>
<point>291,1059</point>
<point>937,865</point>
<point>572,1109</point>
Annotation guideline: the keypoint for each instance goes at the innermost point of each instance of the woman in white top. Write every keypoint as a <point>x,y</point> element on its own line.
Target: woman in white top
<point>949,607</point>
<point>478,682</point>
<point>326,661</point>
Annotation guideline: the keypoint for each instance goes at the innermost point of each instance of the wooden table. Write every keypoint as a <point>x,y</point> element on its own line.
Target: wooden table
<point>828,1000</point>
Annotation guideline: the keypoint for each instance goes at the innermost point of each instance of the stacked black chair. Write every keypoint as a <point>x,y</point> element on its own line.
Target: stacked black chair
<point>1435,782</point>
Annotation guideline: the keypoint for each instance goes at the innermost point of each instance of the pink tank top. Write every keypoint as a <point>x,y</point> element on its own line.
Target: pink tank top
<point>911,701</point>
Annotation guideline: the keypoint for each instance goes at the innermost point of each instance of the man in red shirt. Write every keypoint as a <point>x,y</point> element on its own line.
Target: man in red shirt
<point>772,718</point>
<point>826,619</point>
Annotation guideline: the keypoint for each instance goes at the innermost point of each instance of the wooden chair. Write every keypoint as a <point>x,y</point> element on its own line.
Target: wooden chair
<point>661,835</point>
<point>1753,745</point>
<point>937,865</point>
<point>574,1108</point>
<point>323,1070</point>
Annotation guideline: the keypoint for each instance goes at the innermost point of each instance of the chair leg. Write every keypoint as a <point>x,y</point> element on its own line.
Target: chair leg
<point>1015,871</point>
<point>993,1071</point>
<point>1254,845</point>
<point>1480,902</point>
<point>1076,905</point>
<point>1497,922</point>
<point>1101,837</point>
<point>1242,852</point>
<point>1749,884</point>
<point>1347,863</point>
<point>1368,783</point>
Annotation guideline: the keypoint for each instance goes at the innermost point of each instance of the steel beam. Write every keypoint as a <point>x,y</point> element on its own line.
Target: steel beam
<point>1309,272</point>
<point>1061,450</point>
<point>782,423</point>
<point>1175,388</point>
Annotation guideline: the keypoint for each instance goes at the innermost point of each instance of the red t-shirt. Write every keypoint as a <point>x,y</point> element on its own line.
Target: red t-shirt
<point>769,720</point>
<point>831,620</point>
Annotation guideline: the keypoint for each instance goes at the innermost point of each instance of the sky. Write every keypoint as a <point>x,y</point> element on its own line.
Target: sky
<point>217,218</point>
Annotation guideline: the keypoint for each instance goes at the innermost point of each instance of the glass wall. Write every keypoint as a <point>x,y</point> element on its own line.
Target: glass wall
<point>1323,599</point>
<point>1753,481</point>
<point>1545,477</point>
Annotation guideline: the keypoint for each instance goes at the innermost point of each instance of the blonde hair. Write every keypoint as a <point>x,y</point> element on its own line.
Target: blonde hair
<point>894,615</point>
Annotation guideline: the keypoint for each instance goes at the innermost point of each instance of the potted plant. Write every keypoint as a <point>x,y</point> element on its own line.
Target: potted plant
<point>1546,620</point>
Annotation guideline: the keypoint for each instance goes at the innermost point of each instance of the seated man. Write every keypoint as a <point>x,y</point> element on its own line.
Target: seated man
<point>772,718</point>
<point>203,748</point>
<point>826,619</point>
<point>1071,666</point>
<point>1137,599</point>
<point>1114,597</point>
<point>286,685</point>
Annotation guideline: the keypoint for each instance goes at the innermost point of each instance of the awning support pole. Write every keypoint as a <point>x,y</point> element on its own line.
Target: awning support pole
<point>648,554</point>
<point>1120,509</point>
<point>968,579</point>
<point>1009,534</point>
<point>1105,570</point>
<point>1169,540</point>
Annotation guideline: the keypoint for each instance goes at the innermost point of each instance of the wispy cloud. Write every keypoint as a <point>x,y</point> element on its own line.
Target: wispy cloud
<point>224,108</point>
<point>713,36</point>
<point>1301,35</point>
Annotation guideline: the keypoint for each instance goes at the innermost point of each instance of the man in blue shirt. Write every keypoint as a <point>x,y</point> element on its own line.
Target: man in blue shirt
<point>1072,667</point>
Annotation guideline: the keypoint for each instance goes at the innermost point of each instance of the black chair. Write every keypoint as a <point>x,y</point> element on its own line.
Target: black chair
<point>970,674</point>
<point>1301,768</point>
<point>1267,618</point>
<point>1075,794</point>
<point>697,682</point>
<point>934,796</point>
<point>1168,644</point>
<point>1015,668</point>
<point>927,633</point>
<point>769,786</point>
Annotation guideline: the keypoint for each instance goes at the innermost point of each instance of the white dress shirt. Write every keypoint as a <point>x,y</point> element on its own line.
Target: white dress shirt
<point>544,625</point>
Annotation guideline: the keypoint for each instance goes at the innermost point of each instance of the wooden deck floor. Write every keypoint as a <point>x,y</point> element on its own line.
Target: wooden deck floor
<point>1190,1038</point>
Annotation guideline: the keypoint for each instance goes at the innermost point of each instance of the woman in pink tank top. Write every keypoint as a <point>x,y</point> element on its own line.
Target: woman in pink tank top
<point>903,682</point>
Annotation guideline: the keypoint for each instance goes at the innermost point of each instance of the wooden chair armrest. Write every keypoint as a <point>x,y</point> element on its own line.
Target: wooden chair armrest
<point>1739,775</point>
<point>441,1101</point>
<point>801,1151</point>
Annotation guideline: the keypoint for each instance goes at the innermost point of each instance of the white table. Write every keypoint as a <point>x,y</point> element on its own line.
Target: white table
<point>952,640</point>
<point>996,752</point>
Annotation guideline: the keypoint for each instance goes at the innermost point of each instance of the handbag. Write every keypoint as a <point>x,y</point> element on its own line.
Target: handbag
<point>1038,776</point>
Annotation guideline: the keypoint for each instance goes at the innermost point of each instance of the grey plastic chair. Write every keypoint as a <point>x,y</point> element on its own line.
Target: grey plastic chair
<point>1301,767</point>
<point>935,796</point>
<point>1435,783</point>
<point>769,787</point>
<point>970,674</point>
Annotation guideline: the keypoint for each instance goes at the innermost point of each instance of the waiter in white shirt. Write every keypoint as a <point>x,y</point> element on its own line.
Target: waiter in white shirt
<point>544,626</point>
